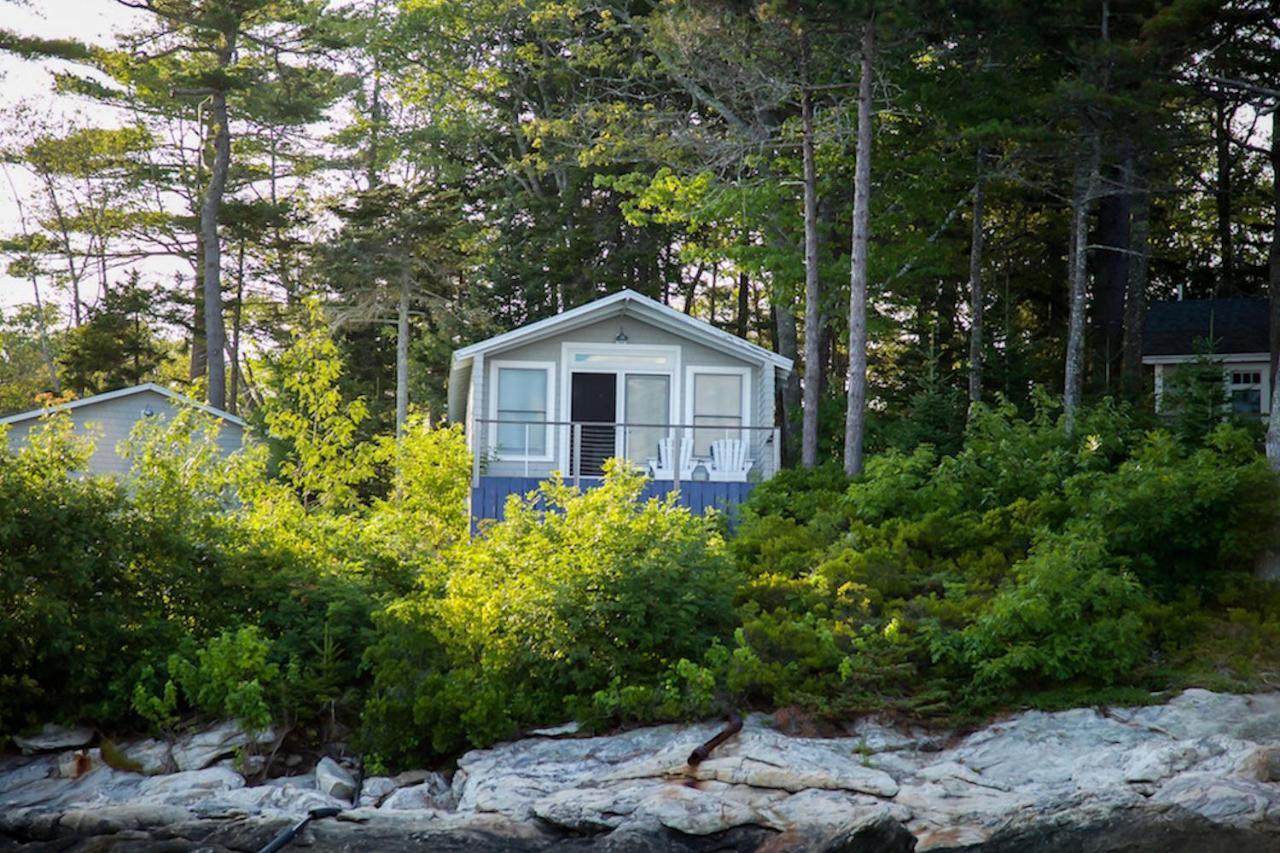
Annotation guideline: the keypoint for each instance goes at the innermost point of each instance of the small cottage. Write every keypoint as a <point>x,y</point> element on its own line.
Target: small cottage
<point>624,376</point>
<point>108,419</point>
<point>1235,330</point>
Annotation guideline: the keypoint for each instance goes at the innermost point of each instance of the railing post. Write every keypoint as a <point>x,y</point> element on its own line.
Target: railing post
<point>526,451</point>
<point>477,449</point>
<point>777,451</point>
<point>576,461</point>
<point>675,463</point>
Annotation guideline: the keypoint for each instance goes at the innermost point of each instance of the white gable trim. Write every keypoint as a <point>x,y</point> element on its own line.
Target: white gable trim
<point>1225,358</point>
<point>643,308</point>
<point>125,392</point>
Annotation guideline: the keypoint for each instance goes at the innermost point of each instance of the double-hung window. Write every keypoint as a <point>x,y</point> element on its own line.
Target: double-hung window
<point>717,409</point>
<point>1246,391</point>
<point>523,405</point>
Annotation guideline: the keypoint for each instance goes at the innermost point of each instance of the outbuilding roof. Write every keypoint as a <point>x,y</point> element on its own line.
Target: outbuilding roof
<point>632,304</point>
<point>125,392</point>
<point>1232,325</point>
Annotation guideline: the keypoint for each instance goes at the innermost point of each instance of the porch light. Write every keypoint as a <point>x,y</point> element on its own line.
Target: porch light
<point>621,337</point>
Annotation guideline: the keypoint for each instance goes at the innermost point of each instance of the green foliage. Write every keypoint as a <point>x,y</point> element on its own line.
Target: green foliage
<point>204,586</point>
<point>227,678</point>
<point>572,594</point>
<point>1069,613</point>
<point>1195,398</point>
<point>325,460</point>
<point>1024,564</point>
<point>116,347</point>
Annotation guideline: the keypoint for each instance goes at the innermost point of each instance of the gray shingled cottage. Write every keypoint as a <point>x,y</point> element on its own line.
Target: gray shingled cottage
<point>108,418</point>
<point>1236,330</point>
<point>624,376</point>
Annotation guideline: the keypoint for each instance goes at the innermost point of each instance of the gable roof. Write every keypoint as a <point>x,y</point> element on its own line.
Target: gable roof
<point>126,392</point>
<point>636,305</point>
<point>1236,326</point>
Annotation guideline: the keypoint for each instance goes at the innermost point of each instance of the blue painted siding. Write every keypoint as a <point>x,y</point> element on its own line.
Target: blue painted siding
<point>489,498</point>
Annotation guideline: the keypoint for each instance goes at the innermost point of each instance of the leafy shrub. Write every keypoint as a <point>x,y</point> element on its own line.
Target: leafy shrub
<point>228,678</point>
<point>572,594</point>
<point>1026,561</point>
<point>67,590</point>
<point>1069,612</point>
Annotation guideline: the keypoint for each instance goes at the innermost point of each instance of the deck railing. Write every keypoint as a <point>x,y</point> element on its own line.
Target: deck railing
<point>665,451</point>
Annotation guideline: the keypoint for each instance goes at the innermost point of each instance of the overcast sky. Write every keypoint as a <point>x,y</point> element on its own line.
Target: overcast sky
<point>93,21</point>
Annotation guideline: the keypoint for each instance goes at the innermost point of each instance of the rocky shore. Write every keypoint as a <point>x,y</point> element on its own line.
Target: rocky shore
<point>1200,773</point>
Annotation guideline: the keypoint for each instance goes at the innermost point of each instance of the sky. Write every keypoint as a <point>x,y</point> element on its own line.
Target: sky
<point>93,21</point>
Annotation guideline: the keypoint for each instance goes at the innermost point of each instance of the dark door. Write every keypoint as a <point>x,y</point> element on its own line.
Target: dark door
<point>593,400</point>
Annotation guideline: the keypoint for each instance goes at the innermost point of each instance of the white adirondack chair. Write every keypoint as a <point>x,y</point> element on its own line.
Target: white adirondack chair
<point>729,462</point>
<point>663,468</point>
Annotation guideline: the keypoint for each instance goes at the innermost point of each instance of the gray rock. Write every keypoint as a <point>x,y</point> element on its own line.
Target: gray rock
<point>189,787</point>
<point>562,730</point>
<point>197,751</point>
<point>1201,767</point>
<point>433,792</point>
<point>411,777</point>
<point>153,756</point>
<point>303,781</point>
<point>277,800</point>
<point>52,738</point>
<point>375,789</point>
<point>334,780</point>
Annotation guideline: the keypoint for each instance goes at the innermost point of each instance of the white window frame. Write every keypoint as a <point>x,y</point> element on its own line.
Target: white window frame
<point>1261,385</point>
<point>693,370</point>
<point>547,367</point>
<point>569,349</point>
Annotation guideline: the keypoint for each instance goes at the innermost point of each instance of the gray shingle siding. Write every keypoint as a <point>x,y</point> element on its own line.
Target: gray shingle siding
<point>109,422</point>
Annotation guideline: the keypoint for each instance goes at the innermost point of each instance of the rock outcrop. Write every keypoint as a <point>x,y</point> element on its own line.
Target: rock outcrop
<point>1199,772</point>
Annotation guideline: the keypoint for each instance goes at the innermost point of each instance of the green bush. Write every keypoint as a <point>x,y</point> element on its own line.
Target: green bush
<point>571,595</point>
<point>1026,561</point>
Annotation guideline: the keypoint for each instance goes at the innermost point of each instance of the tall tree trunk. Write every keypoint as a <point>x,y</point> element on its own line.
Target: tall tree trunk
<point>976,301</point>
<point>1273,290</point>
<point>1135,298</point>
<point>711,292</point>
<point>198,351</point>
<point>812,283</point>
<point>402,350</point>
<point>215,332</point>
<point>785,323</point>
<point>1082,194</point>
<point>1223,196</point>
<point>237,315</point>
<point>744,304</point>
<point>855,412</point>
<point>1111,261</point>
<point>45,353</point>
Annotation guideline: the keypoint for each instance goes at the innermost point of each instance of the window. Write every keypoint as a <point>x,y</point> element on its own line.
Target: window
<point>522,399</point>
<point>647,401</point>
<point>1246,392</point>
<point>717,409</point>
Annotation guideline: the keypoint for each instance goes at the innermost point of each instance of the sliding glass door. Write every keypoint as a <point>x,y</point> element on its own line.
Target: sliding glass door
<point>648,403</point>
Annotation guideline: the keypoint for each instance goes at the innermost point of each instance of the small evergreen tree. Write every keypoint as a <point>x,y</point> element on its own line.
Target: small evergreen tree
<point>1195,398</point>
<point>117,346</point>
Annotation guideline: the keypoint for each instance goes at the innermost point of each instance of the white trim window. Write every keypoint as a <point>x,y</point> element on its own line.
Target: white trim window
<point>1245,389</point>
<point>718,405</point>
<point>522,401</point>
